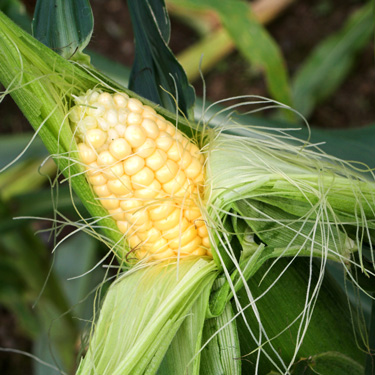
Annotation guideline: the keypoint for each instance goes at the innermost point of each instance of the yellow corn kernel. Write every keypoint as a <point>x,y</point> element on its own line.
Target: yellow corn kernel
<point>167,172</point>
<point>101,190</point>
<point>164,141</point>
<point>135,135</point>
<point>147,149</point>
<point>111,168</point>
<point>143,178</point>
<point>194,168</point>
<point>170,221</point>
<point>191,246</point>
<point>150,192</point>
<point>151,235</point>
<point>156,160</point>
<point>111,202</point>
<point>176,184</point>
<point>206,242</point>
<point>161,210</point>
<point>134,119</point>
<point>123,226</point>
<point>130,205</point>
<point>151,129</point>
<point>187,236</point>
<point>133,165</point>
<point>146,173</point>
<point>117,214</point>
<point>160,246</point>
<point>120,186</point>
<point>120,149</point>
<point>97,179</point>
<point>138,217</point>
<point>87,153</point>
<point>176,231</point>
<point>134,105</point>
<point>96,138</point>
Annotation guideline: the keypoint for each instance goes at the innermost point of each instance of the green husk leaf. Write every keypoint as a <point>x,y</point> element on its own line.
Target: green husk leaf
<point>153,301</point>
<point>293,199</point>
<point>183,354</point>
<point>252,258</point>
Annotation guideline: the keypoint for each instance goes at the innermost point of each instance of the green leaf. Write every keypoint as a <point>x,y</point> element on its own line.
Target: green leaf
<point>252,40</point>
<point>156,74</point>
<point>329,363</point>
<point>330,62</point>
<point>349,144</point>
<point>74,257</point>
<point>330,327</point>
<point>65,26</point>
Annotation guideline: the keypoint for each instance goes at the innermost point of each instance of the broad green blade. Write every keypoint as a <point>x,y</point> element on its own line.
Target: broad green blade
<point>329,363</point>
<point>65,26</point>
<point>330,326</point>
<point>330,62</point>
<point>252,40</point>
<point>156,74</point>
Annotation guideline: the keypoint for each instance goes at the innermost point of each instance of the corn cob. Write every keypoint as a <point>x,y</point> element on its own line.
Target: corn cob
<point>145,172</point>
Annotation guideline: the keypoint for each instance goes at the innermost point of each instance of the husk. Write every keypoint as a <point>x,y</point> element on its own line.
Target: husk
<point>290,197</point>
<point>141,314</point>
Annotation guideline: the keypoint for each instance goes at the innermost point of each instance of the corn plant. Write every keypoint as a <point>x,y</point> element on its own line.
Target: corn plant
<point>222,230</point>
